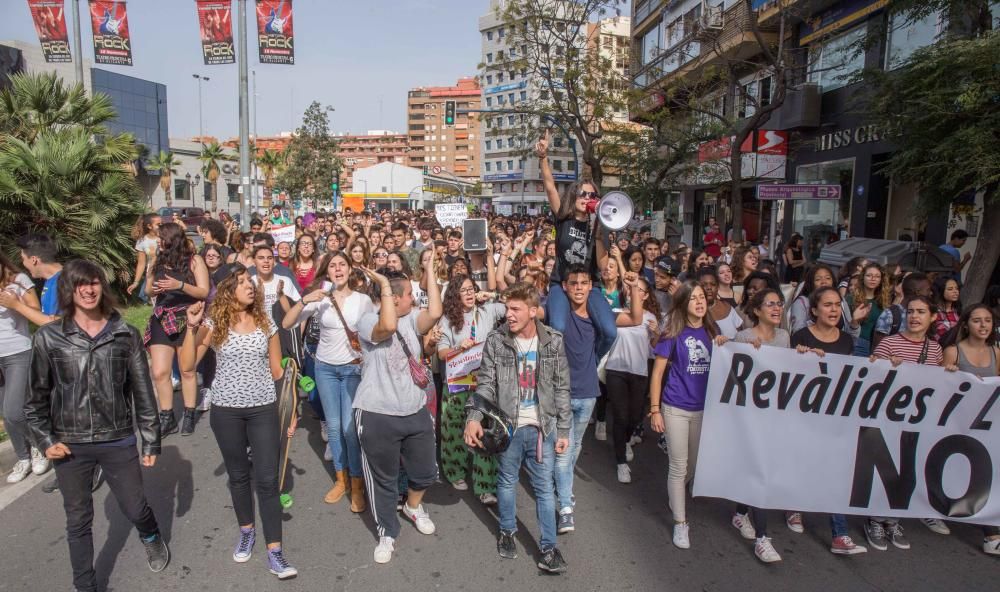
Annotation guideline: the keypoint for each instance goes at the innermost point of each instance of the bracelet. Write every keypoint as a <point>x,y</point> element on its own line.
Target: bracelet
<point>182,286</point>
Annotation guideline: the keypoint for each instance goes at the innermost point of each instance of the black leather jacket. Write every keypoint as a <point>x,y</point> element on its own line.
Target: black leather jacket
<point>83,390</point>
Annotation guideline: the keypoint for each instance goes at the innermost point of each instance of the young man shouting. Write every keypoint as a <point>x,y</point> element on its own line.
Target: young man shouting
<point>536,397</point>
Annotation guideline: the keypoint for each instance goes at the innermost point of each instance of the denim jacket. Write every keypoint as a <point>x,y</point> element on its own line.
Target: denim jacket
<point>497,378</point>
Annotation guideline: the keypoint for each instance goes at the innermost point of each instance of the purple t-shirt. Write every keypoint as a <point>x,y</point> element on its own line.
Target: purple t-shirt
<point>690,355</point>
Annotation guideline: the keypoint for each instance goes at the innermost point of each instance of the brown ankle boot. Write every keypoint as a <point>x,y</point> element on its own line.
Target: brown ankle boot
<point>338,490</point>
<point>357,495</point>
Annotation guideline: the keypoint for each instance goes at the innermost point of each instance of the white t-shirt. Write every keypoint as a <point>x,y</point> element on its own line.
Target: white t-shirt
<point>289,288</point>
<point>632,349</point>
<point>147,245</point>
<point>731,324</point>
<point>243,370</point>
<point>14,336</point>
<point>387,386</point>
<point>334,346</point>
<point>527,372</point>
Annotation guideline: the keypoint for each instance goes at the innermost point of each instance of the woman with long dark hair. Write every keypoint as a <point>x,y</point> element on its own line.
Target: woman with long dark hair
<point>678,385</point>
<point>178,279</point>
<point>16,288</point>
<point>725,316</point>
<point>468,319</point>
<point>975,350</point>
<point>244,405</point>
<point>821,336</point>
<point>947,297</point>
<point>575,244</point>
<point>794,259</point>
<point>337,308</point>
<point>817,276</point>
<point>867,299</point>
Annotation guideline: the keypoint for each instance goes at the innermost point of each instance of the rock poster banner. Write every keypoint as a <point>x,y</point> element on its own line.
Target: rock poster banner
<point>841,434</point>
<point>112,40</point>
<point>216,26</point>
<point>275,41</point>
<point>50,24</point>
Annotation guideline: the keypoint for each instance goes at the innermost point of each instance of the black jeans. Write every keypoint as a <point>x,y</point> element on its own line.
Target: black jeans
<point>627,396</point>
<point>76,478</point>
<point>257,427</point>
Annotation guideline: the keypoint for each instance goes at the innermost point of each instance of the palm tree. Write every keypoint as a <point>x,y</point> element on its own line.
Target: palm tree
<point>56,179</point>
<point>270,162</point>
<point>167,165</point>
<point>210,157</point>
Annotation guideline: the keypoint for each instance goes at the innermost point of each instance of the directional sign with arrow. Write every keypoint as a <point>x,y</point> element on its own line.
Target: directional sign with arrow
<point>797,191</point>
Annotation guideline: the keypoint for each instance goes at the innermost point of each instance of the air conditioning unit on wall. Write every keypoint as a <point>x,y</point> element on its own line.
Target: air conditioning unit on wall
<point>711,16</point>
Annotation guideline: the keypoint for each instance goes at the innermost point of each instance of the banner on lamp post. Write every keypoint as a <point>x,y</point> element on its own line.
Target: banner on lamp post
<point>50,25</point>
<point>840,434</point>
<point>275,41</point>
<point>216,26</point>
<point>112,40</point>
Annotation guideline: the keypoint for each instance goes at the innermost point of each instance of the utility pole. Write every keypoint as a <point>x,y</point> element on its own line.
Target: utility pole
<point>77,42</point>
<point>255,203</point>
<point>244,116</point>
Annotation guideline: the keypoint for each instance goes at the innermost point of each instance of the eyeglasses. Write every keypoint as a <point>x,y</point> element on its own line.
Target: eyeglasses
<point>469,290</point>
<point>590,194</point>
<point>381,255</point>
<point>773,304</point>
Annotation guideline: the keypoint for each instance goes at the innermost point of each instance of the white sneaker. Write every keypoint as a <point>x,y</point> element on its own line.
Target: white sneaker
<point>420,518</point>
<point>629,453</point>
<point>601,431</point>
<point>624,473</point>
<point>682,538</point>
<point>328,454</point>
<point>322,432</point>
<point>175,382</point>
<point>22,469</point>
<point>742,523</point>
<point>383,551</point>
<point>39,464</point>
<point>991,547</point>
<point>764,551</point>
<point>936,525</point>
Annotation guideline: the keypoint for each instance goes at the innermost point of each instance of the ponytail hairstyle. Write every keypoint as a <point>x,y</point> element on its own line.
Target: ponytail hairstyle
<point>143,224</point>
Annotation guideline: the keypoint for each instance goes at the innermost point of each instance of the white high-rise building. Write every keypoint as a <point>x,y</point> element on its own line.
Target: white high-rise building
<point>512,174</point>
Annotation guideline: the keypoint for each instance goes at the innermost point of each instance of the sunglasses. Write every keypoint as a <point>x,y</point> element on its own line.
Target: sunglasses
<point>590,194</point>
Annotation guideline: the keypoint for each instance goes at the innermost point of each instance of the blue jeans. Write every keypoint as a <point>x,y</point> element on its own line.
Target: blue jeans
<point>557,311</point>
<point>336,386</point>
<point>566,462</point>
<point>838,525</point>
<point>862,347</point>
<point>524,449</point>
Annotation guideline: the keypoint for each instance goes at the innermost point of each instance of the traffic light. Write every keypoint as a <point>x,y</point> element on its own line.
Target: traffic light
<point>449,112</point>
<point>335,186</point>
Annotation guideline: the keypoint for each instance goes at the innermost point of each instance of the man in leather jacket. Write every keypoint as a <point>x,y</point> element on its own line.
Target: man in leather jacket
<point>524,371</point>
<point>88,375</point>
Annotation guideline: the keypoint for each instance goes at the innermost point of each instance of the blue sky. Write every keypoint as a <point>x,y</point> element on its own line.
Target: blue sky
<point>361,57</point>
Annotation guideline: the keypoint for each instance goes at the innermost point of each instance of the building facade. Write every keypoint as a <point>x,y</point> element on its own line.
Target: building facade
<point>822,133</point>
<point>509,172</point>
<point>362,151</point>
<point>436,145</point>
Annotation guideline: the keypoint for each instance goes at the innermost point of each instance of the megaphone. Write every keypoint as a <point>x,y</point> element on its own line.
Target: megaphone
<point>614,211</point>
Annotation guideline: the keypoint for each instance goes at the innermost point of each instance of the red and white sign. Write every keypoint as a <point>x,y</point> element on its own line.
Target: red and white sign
<point>772,142</point>
<point>766,161</point>
<point>436,170</point>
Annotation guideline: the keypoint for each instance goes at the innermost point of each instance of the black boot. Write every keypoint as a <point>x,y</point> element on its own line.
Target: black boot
<point>187,422</point>
<point>168,424</point>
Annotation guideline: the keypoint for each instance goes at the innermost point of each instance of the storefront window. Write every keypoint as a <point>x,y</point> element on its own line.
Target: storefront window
<point>817,219</point>
<point>906,36</point>
<point>832,62</point>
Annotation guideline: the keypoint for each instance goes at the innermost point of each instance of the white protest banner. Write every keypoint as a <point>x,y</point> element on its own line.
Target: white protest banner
<point>840,434</point>
<point>504,209</point>
<point>283,234</point>
<point>460,369</point>
<point>450,214</point>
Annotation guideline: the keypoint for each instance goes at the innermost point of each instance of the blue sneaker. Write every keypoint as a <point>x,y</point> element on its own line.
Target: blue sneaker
<point>566,523</point>
<point>279,565</point>
<point>244,548</point>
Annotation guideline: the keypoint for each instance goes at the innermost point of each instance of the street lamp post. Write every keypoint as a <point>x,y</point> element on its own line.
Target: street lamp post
<point>201,133</point>
<point>241,13</point>
<point>77,42</point>
<point>191,186</point>
<point>255,199</point>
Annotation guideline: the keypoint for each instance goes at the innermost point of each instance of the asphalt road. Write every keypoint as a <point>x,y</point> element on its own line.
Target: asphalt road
<point>622,541</point>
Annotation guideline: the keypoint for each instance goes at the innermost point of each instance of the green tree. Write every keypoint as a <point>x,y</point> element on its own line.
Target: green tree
<point>166,165</point>
<point>56,179</point>
<point>211,155</point>
<point>311,158</point>
<point>943,105</point>
<point>270,163</point>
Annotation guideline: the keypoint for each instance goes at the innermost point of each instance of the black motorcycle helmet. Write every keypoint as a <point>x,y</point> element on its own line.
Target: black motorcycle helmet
<point>498,429</point>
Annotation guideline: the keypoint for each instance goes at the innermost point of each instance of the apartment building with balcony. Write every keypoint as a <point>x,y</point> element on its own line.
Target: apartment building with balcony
<point>509,171</point>
<point>364,150</point>
<point>825,134</point>
<point>436,146</point>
